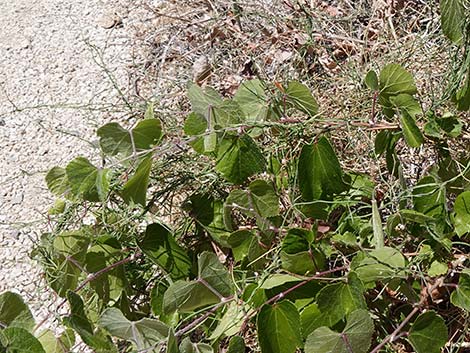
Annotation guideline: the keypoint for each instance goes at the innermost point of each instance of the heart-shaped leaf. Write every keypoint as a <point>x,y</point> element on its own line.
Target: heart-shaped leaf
<point>462,213</point>
<point>145,333</point>
<point>278,327</point>
<point>238,158</point>
<point>428,334</point>
<point>14,312</point>
<point>135,190</point>
<point>301,98</point>
<point>355,338</point>
<point>160,246</point>
<point>320,174</point>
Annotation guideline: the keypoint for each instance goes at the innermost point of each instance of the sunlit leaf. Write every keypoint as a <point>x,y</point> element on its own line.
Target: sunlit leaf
<point>135,190</point>
<point>461,296</point>
<point>252,100</point>
<point>301,97</point>
<point>462,213</point>
<point>18,340</point>
<point>145,333</point>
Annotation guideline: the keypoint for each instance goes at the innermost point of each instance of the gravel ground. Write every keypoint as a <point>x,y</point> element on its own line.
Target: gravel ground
<point>52,98</point>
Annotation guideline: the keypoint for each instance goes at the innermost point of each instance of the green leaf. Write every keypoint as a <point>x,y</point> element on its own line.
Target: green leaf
<point>437,268</point>
<point>86,180</point>
<point>147,134</point>
<point>53,344</point>
<point>160,246</point>
<point>453,17</point>
<point>297,255</point>
<point>239,241</point>
<point>145,333</point>
<point>278,328</point>
<point>278,279</point>
<point>230,323</point>
<point>462,95</point>
<point>252,100</point>
<point>78,321</point>
<point>379,264</point>
<point>415,216</point>
<point>236,345</point>
<point>14,312</point>
<point>196,125</point>
<point>337,300</point>
<point>202,99</point>
<point>462,213</point>
<point>395,80</point>
<point>377,226</point>
<point>18,340</point>
<point>213,283</point>
<point>355,338</point>
<point>450,125</point>
<point>135,190</point>
<point>428,334</point>
<point>215,274</point>
<point>114,139</point>
<point>187,346</point>
<point>319,171</point>
<point>239,158</point>
<point>301,98</point>
<point>149,111</point>
<point>109,285</point>
<point>187,296</point>
<point>429,197</point>
<point>57,182</point>
<point>311,319</point>
<point>172,344</point>
<point>259,200</point>
<point>411,132</point>
<point>407,103</point>
<point>69,249</point>
<point>461,296</point>
<point>371,80</point>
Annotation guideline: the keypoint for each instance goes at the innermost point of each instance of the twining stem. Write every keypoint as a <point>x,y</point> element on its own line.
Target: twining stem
<point>202,318</point>
<point>317,275</point>
<point>281,295</point>
<point>395,333</point>
<point>91,277</point>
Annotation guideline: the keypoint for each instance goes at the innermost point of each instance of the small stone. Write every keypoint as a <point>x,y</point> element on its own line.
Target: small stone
<point>109,21</point>
<point>17,199</point>
<point>15,234</point>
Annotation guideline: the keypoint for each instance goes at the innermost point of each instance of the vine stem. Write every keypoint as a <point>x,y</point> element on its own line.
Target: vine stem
<point>425,293</point>
<point>394,334</point>
<point>91,277</point>
<point>202,318</point>
<point>317,275</point>
<point>281,295</point>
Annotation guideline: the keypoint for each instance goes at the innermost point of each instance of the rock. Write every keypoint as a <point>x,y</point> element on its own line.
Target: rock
<point>109,21</point>
<point>17,198</point>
